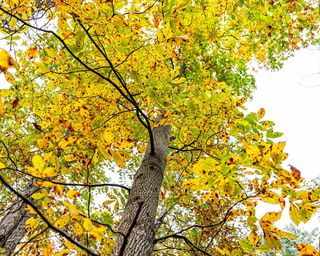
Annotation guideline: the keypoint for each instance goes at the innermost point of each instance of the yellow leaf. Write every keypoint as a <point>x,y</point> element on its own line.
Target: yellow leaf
<point>2,165</point>
<point>38,162</point>
<point>253,152</point>
<point>43,143</point>
<point>271,216</point>
<point>63,221</point>
<point>64,143</point>
<point>49,172</point>
<point>48,184</point>
<point>5,60</point>
<point>70,207</point>
<point>39,195</point>
<point>54,160</point>
<point>47,251</point>
<point>117,157</point>
<point>30,209</point>
<point>63,252</point>
<point>33,171</point>
<point>1,107</point>
<point>87,224</point>
<point>58,189</point>
<point>69,158</point>
<point>9,77</point>
<point>222,251</point>
<point>73,194</point>
<point>307,250</point>
<point>295,172</point>
<point>253,237</point>
<point>108,137</point>
<point>32,223</point>
<point>77,228</point>
<point>261,113</point>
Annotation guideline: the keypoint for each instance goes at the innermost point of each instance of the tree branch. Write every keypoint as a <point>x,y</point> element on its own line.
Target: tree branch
<point>50,225</point>
<point>187,241</point>
<point>123,84</point>
<point>69,184</point>
<point>222,222</point>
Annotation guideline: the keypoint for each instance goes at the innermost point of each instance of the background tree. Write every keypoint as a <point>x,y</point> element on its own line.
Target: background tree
<point>289,246</point>
<point>95,82</point>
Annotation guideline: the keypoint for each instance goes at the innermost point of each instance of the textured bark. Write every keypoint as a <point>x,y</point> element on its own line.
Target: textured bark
<point>138,223</point>
<point>12,225</point>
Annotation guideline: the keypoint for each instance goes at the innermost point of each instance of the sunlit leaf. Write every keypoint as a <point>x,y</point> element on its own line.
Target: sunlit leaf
<point>87,224</point>
<point>38,162</point>
<point>63,221</point>
<point>5,60</point>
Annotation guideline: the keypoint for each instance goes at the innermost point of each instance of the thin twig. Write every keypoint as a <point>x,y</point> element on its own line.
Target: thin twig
<point>69,184</point>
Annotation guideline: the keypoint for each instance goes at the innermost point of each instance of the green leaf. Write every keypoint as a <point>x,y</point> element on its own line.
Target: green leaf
<point>245,245</point>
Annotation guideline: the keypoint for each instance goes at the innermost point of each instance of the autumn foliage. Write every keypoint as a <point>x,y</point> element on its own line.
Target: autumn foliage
<point>89,82</point>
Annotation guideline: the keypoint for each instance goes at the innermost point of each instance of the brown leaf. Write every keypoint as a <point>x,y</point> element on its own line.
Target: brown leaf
<point>295,172</point>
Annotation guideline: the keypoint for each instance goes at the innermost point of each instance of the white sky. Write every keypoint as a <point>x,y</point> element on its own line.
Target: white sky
<point>291,98</point>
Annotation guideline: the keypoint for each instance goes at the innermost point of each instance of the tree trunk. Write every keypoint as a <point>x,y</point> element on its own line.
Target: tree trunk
<point>12,225</point>
<point>138,222</point>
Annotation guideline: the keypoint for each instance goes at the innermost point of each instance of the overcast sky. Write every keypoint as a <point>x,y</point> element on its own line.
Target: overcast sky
<point>291,98</point>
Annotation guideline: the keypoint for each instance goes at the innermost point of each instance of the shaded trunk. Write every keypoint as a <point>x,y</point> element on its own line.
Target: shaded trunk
<point>138,222</point>
<point>12,225</point>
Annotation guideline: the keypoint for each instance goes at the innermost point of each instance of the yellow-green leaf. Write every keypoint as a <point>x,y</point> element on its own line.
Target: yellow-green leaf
<point>119,160</point>
<point>295,214</point>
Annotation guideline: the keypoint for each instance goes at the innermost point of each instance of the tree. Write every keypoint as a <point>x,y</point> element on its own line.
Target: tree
<point>303,237</point>
<point>95,82</point>
<point>290,246</point>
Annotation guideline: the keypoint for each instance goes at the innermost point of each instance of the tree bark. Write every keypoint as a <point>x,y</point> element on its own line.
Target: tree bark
<point>138,222</point>
<point>12,225</point>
